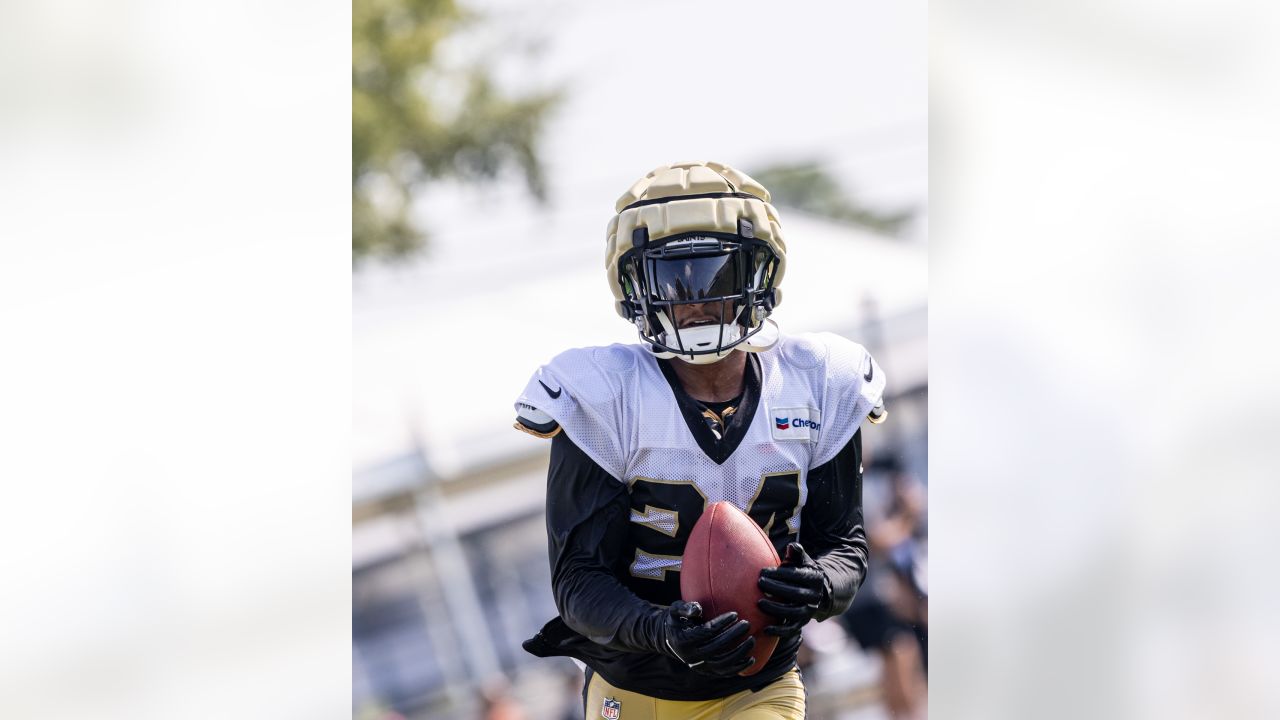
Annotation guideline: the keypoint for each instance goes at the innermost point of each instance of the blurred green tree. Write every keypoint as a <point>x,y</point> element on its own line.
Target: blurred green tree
<point>413,121</point>
<point>807,186</point>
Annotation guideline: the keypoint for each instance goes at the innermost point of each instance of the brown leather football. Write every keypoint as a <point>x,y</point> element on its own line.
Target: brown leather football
<point>722,562</point>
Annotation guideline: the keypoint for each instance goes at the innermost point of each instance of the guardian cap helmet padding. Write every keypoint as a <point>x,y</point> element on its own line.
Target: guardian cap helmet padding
<point>697,233</point>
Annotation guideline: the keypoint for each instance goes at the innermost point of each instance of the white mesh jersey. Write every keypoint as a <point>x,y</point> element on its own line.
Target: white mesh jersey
<point>615,404</point>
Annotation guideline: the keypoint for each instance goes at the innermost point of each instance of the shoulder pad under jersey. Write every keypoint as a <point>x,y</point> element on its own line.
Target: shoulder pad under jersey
<point>850,390</point>
<point>580,392</point>
<point>531,420</point>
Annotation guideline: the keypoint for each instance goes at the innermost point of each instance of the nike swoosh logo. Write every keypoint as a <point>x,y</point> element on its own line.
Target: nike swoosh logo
<point>871,369</point>
<point>555,394</point>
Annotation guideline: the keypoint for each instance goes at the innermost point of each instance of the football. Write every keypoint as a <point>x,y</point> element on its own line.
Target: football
<point>722,562</point>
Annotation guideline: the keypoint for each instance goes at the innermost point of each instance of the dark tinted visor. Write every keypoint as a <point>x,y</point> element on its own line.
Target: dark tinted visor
<point>697,278</point>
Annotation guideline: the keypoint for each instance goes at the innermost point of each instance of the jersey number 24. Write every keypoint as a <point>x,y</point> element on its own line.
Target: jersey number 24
<point>663,513</point>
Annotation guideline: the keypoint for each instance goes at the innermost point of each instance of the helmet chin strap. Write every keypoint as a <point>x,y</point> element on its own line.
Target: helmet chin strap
<point>764,338</point>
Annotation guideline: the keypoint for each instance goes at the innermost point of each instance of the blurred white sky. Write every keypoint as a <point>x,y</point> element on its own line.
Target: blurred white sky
<point>655,82</point>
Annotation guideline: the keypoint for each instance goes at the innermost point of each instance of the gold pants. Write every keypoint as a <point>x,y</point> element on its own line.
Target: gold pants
<point>783,699</point>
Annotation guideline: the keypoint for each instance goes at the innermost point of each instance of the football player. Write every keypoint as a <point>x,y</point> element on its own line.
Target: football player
<point>714,404</point>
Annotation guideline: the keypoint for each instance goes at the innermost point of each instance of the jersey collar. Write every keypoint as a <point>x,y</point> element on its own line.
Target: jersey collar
<point>718,450</point>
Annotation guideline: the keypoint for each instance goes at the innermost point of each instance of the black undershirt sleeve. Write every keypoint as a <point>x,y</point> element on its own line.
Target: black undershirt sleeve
<point>831,525</point>
<point>587,515</point>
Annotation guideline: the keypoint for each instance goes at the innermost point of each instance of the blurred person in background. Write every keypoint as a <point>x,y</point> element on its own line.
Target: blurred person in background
<point>714,405</point>
<point>496,703</point>
<point>890,616</point>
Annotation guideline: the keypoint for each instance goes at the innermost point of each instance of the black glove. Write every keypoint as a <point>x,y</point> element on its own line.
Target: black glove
<point>720,647</point>
<point>797,589</point>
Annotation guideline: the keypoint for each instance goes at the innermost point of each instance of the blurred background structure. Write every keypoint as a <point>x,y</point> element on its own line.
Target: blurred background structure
<point>490,143</point>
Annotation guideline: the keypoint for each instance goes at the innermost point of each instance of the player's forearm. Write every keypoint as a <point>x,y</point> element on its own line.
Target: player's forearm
<point>587,518</point>
<point>594,604</point>
<point>846,567</point>
<point>831,527</point>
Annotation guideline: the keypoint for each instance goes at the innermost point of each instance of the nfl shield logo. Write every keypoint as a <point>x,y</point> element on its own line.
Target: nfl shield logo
<point>611,710</point>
